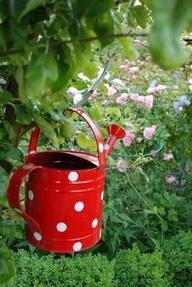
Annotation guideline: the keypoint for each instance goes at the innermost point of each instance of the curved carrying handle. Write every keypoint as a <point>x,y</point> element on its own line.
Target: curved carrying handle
<point>13,193</point>
<point>97,134</point>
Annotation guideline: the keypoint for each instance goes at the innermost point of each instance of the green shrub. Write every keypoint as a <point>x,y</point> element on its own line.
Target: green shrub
<point>133,269</point>
<point>177,254</point>
<point>48,271</point>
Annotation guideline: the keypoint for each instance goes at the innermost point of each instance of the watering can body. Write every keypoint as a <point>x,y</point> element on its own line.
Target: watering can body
<point>63,195</point>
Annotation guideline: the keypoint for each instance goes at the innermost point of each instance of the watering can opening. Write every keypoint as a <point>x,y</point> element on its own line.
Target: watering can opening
<point>61,160</point>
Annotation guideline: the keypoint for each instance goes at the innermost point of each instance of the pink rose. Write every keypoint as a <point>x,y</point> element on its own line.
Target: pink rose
<point>149,132</point>
<point>139,139</point>
<point>133,70</point>
<point>153,153</point>
<point>168,156</point>
<point>127,140</point>
<point>141,99</point>
<point>122,165</point>
<point>111,91</point>
<point>120,101</point>
<point>151,90</point>
<point>170,179</point>
<point>161,88</point>
<point>148,102</point>
<point>124,96</point>
<point>134,97</point>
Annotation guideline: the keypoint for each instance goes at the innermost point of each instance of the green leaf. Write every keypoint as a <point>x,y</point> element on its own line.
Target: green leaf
<point>11,154</point>
<point>46,128</point>
<point>92,8</point>
<point>5,97</point>
<point>82,140</point>
<point>31,5</point>
<point>23,115</point>
<point>67,130</point>
<point>141,14</point>
<point>4,179</point>
<point>86,143</point>
<point>104,26</point>
<point>113,112</point>
<point>41,75</point>
<point>20,78</point>
<point>8,229</point>
<point>129,49</point>
<point>95,112</point>
<point>7,267</point>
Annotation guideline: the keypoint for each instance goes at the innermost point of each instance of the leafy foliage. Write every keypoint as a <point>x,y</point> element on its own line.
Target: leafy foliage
<point>177,254</point>
<point>132,268</point>
<point>83,271</point>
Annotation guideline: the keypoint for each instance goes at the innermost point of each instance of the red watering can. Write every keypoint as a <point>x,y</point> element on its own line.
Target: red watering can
<point>64,193</point>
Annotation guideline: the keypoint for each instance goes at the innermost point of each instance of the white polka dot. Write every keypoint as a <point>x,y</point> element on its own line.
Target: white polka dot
<point>31,195</point>
<point>102,194</point>
<point>106,146</point>
<point>79,206</point>
<point>94,222</point>
<point>61,226</point>
<point>77,246</point>
<point>73,176</point>
<point>101,147</point>
<point>37,236</point>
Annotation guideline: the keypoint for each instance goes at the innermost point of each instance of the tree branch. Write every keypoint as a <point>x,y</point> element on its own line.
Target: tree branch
<point>81,40</point>
<point>97,82</point>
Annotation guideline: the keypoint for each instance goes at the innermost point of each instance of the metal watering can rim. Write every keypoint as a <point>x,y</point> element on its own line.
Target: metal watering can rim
<point>92,158</point>
<point>115,133</point>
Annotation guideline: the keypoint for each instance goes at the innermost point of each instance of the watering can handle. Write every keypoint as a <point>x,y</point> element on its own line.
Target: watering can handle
<point>13,193</point>
<point>97,134</point>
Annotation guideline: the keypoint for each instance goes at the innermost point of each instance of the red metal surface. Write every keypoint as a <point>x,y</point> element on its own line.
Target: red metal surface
<point>64,195</point>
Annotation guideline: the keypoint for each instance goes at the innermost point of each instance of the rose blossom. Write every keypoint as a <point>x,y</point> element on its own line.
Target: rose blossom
<point>139,139</point>
<point>148,102</point>
<point>168,156</point>
<point>134,97</point>
<point>153,153</point>
<point>151,90</point>
<point>122,165</point>
<point>141,99</point>
<point>149,132</point>
<point>161,88</point>
<point>170,179</point>
<point>127,140</point>
<point>120,101</point>
<point>111,91</point>
<point>133,70</point>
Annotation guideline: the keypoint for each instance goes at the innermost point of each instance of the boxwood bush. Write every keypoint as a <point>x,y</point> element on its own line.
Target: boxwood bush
<point>134,269</point>
<point>169,267</point>
<point>48,271</point>
<point>177,253</point>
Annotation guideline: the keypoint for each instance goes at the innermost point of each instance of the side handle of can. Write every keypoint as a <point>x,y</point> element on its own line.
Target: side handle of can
<point>13,194</point>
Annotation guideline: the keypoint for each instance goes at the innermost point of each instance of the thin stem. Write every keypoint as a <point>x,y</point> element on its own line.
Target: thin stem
<point>81,40</point>
<point>97,82</point>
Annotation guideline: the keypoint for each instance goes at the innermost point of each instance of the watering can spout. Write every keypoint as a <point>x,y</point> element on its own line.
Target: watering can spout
<point>115,133</point>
